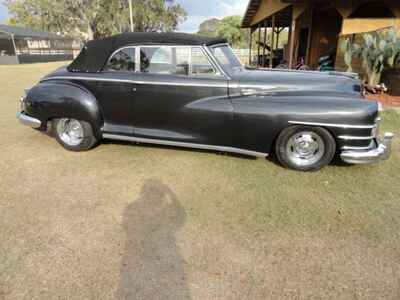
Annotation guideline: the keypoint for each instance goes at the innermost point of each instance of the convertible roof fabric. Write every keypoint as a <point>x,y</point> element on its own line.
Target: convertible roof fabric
<point>95,53</point>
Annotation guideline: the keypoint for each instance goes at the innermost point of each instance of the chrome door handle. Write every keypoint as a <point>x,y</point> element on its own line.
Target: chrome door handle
<point>134,89</point>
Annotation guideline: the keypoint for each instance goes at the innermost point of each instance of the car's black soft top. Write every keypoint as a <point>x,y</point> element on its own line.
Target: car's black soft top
<point>95,53</point>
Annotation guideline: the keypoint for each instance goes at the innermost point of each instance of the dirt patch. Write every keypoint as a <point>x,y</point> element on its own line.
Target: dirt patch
<point>386,100</point>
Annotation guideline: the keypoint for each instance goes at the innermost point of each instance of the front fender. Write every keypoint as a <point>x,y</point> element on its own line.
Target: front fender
<point>261,118</point>
<point>55,99</point>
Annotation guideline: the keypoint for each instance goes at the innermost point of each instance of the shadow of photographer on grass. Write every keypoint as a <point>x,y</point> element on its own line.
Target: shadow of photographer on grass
<point>152,267</point>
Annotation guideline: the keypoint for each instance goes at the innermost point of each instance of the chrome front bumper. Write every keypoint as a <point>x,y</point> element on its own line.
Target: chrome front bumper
<point>28,121</point>
<point>380,152</point>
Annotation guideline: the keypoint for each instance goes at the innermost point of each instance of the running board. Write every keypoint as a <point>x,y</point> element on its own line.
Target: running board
<point>184,145</point>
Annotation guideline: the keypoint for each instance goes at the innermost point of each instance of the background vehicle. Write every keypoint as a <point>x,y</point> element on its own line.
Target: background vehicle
<point>190,91</point>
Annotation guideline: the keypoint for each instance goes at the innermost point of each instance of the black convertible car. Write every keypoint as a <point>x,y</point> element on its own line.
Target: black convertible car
<point>190,91</point>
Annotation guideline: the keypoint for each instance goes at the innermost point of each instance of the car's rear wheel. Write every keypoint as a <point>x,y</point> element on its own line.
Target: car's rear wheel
<point>305,148</point>
<point>73,135</point>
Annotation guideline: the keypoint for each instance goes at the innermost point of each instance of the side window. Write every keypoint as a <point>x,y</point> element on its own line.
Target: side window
<point>200,63</point>
<point>155,60</point>
<point>123,60</point>
<point>175,61</point>
<point>165,60</point>
<point>221,56</point>
<point>182,60</point>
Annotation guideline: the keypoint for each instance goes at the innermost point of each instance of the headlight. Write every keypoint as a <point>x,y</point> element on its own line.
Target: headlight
<point>375,131</point>
<point>22,103</point>
<point>380,107</point>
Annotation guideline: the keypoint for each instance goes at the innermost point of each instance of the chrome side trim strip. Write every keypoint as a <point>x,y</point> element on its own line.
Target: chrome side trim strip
<point>345,126</point>
<point>185,145</point>
<point>355,138</point>
<point>356,148</point>
<point>133,81</point>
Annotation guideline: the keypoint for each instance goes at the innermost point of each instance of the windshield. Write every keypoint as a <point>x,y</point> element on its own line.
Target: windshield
<point>226,58</point>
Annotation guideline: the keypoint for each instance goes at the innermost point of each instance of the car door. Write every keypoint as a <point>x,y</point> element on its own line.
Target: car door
<point>115,91</point>
<point>180,96</point>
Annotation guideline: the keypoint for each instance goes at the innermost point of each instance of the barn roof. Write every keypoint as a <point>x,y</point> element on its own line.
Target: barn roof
<point>28,32</point>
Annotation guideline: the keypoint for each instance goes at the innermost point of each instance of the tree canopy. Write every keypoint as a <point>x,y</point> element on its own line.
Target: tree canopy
<point>90,19</point>
<point>228,28</point>
<point>209,27</point>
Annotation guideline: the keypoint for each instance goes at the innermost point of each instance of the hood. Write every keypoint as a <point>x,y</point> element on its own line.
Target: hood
<point>266,81</point>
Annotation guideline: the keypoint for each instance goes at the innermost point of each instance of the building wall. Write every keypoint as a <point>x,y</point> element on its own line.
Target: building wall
<point>325,33</point>
<point>7,53</point>
<point>35,50</point>
<point>351,26</point>
<point>27,59</point>
<point>8,60</point>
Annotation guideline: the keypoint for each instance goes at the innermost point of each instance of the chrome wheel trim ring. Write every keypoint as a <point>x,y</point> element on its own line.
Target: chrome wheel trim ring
<point>70,131</point>
<point>305,148</point>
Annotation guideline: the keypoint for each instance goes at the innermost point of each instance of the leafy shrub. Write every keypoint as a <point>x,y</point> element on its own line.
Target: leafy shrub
<point>378,51</point>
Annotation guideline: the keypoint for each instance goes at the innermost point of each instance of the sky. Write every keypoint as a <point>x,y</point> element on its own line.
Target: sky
<point>198,11</point>
<point>3,12</point>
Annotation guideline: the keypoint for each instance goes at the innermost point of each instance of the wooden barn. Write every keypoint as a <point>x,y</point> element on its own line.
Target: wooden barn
<point>23,45</point>
<point>315,26</point>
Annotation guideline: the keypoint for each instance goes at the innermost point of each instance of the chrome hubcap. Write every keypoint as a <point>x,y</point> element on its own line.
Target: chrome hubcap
<point>305,148</point>
<point>70,131</point>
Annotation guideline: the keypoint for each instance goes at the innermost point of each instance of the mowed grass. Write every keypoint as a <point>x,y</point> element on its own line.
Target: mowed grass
<point>250,228</point>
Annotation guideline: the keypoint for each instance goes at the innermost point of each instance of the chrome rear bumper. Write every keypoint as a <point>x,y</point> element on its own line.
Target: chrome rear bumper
<point>381,152</point>
<point>28,121</point>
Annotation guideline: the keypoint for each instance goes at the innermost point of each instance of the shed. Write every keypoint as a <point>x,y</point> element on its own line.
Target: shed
<point>315,26</point>
<point>25,45</point>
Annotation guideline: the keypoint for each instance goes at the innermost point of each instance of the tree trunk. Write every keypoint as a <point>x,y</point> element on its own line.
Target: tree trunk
<point>93,33</point>
<point>90,32</point>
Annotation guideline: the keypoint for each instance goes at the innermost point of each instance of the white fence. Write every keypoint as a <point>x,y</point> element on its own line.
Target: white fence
<point>243,55</point>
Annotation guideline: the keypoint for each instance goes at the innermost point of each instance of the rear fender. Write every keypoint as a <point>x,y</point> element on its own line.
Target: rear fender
<point>64,99</point>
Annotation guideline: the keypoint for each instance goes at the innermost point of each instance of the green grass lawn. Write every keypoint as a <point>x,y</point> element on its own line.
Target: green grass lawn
<point>248,228</point>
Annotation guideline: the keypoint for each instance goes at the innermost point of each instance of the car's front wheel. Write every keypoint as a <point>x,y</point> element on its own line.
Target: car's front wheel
<point>305,148</point>
<point>73,135</point>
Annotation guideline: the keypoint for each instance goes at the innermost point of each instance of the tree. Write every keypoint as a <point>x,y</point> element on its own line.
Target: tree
<point>39,14</point>
<point>230,29</point>
<point>154,15</point>
<point>95,18</point>
<point>209,27</point>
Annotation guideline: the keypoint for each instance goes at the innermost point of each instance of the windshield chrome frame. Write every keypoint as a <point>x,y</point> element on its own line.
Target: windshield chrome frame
<point>219,64</point>
<point>215,62</point>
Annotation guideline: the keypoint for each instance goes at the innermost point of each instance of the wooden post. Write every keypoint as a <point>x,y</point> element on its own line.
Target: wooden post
<point>271,57</point>
<point>310,32</point>
<point>278,32</point>
<point>258,44</point>
<point>291,45</point>
<point>251,45</point>
<point>265,41</point>
<point>15,47</point>
<point>289,39</point>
